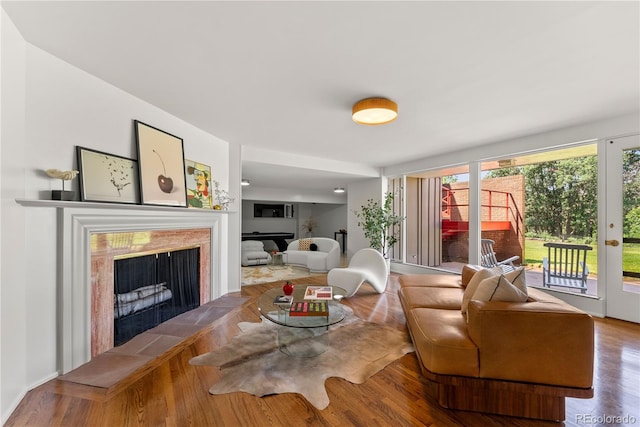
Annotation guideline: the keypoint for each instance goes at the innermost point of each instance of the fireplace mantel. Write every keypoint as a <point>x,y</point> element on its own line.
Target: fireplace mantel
<point>115,206</point>
<point>76,221</point>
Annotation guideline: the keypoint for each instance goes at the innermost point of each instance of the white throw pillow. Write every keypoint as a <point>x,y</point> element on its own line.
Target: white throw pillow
<point>498,288</point>
<point>473,285</point>
<point>517,278</point>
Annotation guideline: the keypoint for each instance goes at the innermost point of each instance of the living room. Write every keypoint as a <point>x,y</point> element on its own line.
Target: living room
<point>59,93</point>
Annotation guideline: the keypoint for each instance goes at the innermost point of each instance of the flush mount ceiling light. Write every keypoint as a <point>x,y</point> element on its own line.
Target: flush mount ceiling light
<point>338,190</point>
<point>245,182</point>
<point>374,111</point>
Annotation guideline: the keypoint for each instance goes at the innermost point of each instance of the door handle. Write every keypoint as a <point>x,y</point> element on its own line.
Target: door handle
<point>611,242</point>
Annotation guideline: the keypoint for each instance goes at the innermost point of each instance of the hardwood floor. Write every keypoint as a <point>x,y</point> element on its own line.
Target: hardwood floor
<point>175,393</point>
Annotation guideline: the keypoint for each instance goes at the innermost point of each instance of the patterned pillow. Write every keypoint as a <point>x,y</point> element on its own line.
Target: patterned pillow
<point>304,244</point>
<point>473,285</point>
<point>498,288</point>
<point>517,278</point>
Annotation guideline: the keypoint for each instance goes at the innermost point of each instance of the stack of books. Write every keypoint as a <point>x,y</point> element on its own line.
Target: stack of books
<point>309,308</point>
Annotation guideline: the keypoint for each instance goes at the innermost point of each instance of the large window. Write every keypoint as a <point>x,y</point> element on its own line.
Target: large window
<point>547,197</point>
<point>437,218</point>
<point>525,201</point>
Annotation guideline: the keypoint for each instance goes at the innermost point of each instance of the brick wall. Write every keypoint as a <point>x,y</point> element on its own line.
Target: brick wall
<point>502,200</point>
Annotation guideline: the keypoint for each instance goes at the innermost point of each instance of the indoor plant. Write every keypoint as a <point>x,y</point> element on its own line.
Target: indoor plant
<point>380,223</point>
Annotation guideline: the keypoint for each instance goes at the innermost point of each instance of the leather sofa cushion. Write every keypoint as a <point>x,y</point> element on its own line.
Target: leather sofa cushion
<point>444,298</point>
<point>442,342</point>
<point>430,280</point>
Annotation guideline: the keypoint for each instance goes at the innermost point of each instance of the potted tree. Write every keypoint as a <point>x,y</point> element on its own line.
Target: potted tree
<point>380,224</point>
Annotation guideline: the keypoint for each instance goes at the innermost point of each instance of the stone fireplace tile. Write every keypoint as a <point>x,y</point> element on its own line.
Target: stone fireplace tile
<point>139,343</point>
<point>176,329</point>
<point>160,345</point>
<point>106,369</point>
<point>202,316</point>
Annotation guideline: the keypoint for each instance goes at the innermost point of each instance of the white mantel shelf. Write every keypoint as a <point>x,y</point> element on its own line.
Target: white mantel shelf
<point>118,206</point>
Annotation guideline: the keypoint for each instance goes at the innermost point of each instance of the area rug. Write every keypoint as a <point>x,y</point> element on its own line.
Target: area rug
<point>253,363</point>
<point>268,273</point>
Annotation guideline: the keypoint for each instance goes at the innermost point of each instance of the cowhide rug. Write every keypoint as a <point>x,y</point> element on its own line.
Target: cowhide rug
<point>253,363</point>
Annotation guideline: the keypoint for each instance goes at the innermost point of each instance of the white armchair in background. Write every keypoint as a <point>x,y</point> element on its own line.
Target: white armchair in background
<point>253,253</point>
<point>366,265</point>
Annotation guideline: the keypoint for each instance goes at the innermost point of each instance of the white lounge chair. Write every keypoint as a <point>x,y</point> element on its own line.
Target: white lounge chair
<point>366,265</point>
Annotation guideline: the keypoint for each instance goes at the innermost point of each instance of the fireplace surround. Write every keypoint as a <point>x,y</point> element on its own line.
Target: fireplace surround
<point>78,221</point>
<point>109,249</point>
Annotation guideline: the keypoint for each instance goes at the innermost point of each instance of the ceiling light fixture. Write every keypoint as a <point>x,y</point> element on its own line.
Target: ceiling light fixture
<point>245,182</point>
<point>338,190</point>
<point>374,111</point>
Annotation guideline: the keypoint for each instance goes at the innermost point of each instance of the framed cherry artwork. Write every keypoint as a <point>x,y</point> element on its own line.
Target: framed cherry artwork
<point>161,166</point>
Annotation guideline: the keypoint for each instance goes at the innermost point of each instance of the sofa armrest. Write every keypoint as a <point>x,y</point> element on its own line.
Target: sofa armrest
<point>545,342</point>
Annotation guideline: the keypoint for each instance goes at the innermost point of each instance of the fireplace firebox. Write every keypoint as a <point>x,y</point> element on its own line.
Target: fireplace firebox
<point>150,289</point>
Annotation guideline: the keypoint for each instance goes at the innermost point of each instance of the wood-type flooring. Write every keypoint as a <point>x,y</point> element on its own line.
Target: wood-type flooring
<point>174,393</point>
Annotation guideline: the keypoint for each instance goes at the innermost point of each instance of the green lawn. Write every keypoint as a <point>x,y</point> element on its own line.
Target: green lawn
<point>534,252</point>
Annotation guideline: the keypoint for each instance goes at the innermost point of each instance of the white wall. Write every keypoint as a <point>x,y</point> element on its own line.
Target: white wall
<point>592,131</point>
<point>330,218</point>
<point>49,107</point>
<point>358,194</point>
<point>14,261</point>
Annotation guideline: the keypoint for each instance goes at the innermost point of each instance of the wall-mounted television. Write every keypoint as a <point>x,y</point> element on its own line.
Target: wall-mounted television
<point>281,210</point>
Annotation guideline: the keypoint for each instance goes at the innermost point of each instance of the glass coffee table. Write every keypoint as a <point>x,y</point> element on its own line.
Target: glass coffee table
<point>301,336</point>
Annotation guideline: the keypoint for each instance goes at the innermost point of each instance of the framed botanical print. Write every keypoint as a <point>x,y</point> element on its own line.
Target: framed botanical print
<point>161,166</point>
<point>106,177</point>
<point>198,177</point>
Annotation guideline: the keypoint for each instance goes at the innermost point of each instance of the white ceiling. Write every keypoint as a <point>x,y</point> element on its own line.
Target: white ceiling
<point>283,75</point>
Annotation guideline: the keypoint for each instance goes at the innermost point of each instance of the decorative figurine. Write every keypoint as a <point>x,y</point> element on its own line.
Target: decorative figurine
<point>64,176</point>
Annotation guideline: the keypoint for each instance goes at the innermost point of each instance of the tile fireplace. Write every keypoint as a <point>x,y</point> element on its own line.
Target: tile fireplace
<point>92,235</point>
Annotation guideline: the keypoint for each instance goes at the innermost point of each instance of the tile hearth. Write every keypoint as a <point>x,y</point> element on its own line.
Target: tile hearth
<point>115,365</point>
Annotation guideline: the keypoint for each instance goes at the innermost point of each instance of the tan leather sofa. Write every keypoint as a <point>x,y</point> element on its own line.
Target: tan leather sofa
<point>510,358</point>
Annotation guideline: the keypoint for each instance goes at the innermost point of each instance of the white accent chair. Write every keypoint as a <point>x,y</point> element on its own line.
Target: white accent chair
<point>253,253</point>
<point>366,265</point>
<point>326,257</point>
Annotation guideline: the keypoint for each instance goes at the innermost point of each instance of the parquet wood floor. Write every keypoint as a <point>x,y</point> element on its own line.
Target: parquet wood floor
<point>174,393</point>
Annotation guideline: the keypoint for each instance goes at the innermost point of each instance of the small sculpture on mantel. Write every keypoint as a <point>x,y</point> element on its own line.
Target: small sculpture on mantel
<point>64,176</point>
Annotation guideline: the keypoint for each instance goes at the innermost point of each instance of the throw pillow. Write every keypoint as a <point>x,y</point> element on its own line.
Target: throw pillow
<point>313,247</point>
<point>473,285</point>
<point>498,288</point>
<point>517,278</point>
<point>304,244</point>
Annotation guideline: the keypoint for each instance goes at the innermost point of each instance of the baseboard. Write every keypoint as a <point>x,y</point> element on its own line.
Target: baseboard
<point>23,394</point>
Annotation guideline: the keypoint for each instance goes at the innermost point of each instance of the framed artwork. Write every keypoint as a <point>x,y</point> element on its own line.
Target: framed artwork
<point>198,178</point>
<point>106,177</point>
<point>161,166</point>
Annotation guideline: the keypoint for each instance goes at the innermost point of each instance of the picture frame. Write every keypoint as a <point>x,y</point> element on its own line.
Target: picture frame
<point>160,166</point>
<point>199,189</point>
<point>107,177</point>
